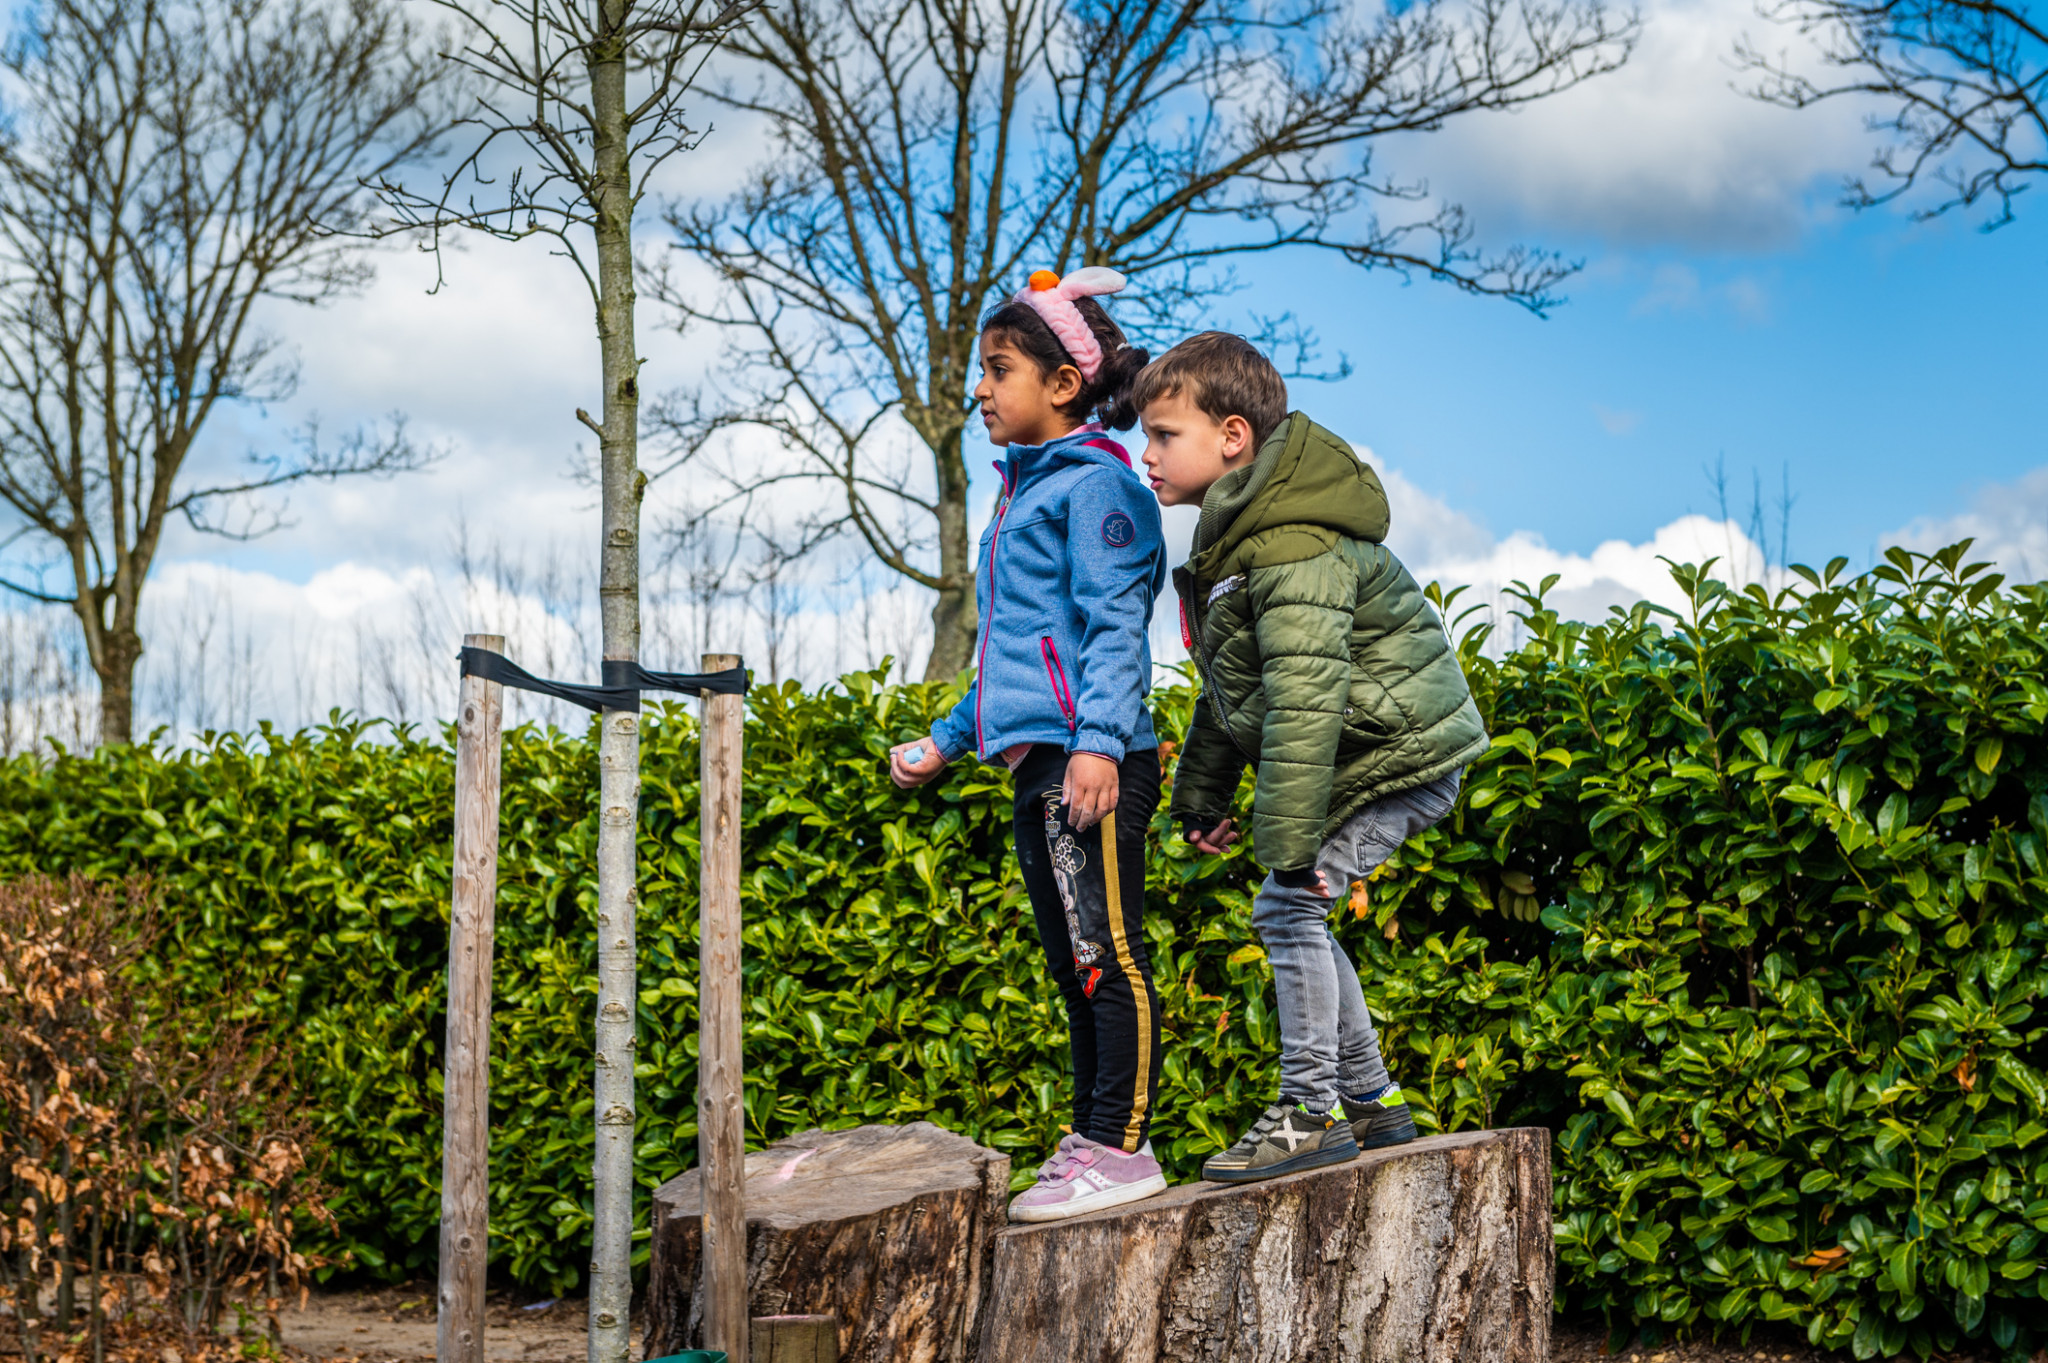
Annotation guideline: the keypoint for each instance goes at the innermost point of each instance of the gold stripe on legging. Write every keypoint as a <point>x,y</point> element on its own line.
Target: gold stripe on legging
<point>1139,995</point>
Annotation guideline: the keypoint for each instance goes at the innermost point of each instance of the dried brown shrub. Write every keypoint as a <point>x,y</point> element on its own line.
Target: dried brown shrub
<point>152,1170</point>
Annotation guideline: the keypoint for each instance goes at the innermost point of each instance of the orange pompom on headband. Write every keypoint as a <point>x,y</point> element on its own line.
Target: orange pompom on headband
<point>1052,298</point>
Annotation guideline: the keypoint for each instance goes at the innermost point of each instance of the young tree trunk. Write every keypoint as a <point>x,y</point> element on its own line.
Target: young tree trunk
<point>611,1281</point>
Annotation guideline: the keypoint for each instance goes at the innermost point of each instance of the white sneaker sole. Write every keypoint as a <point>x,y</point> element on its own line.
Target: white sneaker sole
<point>1092,1202</point>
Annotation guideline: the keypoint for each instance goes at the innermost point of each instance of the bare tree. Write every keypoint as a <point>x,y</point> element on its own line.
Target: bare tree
<point>706,551</point>
<point>1963,85</point>
<point>44,687</point>
<point>929,153</point>
<point>776,596</point>
<point>581,101</point>
<point>170,165</point>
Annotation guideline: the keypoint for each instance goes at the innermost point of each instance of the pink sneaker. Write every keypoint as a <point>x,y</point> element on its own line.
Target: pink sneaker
<point>1085,1176</point>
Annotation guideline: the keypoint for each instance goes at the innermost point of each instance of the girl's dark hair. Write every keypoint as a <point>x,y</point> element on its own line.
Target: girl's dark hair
<point>1108,399</point>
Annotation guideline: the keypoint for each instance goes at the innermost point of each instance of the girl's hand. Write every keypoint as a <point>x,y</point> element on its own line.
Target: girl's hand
<point>1090,789</point>
<point>913,764</point>
<point>1217,840</point>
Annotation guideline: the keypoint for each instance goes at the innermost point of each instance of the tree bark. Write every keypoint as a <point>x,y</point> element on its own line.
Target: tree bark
<point>119,652</point>
<point>611,1281</point>
<point>1438,1250</point>
<point>885,1228</point>
<point>954,615</point>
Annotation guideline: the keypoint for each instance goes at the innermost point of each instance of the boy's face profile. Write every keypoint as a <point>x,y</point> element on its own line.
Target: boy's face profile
<point>1187,450</point>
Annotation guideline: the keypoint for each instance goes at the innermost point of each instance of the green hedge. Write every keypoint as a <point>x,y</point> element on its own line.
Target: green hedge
<point>1779,1007</point>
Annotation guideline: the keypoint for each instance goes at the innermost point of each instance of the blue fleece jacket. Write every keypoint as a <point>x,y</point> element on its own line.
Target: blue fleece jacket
<point>1070,565</point>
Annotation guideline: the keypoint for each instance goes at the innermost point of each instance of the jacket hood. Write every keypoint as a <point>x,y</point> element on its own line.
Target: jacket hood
<point>1089,444</point>
<point>1303,476</point>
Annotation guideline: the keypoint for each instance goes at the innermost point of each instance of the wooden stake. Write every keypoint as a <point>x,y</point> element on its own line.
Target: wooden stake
<point>795,1339</point>
<point>466,1073</point>
<point>721,1133</point>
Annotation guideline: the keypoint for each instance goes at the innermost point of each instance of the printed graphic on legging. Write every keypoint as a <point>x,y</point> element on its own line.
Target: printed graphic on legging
<point>1068,861</point>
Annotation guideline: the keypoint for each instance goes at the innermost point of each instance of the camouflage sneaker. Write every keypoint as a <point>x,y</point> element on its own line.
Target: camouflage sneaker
<point>1381,1119</point>
<point>1285,1140</point>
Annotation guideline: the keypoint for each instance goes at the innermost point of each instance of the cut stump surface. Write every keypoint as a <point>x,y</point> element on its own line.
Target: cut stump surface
<point>885,1228</point>
<point>1429,1252</point>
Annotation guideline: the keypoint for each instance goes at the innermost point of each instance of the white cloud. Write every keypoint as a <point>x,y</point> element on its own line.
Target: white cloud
<point>228,647</point>
<point>490,369</point>
<point>1439,543</point>
<point>1667,150</point>
<point>1617,421</point>
<point>2008,521</point>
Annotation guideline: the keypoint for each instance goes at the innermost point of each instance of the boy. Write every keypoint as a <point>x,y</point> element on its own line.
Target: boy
<point>1322,662</point>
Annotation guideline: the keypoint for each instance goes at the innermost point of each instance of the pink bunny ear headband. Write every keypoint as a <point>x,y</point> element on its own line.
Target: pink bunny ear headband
<point>1052,298</point>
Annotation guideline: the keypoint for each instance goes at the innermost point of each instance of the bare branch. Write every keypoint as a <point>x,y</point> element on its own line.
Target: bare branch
<point>923,155</point>
<point>1963,85</point>
<point>34,595</point>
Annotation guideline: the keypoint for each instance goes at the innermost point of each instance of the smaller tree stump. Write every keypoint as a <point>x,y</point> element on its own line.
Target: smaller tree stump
<point>793,1339</point>
<point>887,1229</point>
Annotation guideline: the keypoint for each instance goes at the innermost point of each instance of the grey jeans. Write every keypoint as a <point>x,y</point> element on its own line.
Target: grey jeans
<point>1328,1047</point>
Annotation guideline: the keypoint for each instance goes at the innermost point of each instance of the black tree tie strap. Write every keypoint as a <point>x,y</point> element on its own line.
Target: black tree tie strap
<point>623,681</point>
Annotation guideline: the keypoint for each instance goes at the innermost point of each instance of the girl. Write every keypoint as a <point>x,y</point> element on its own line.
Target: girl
<point>1070,565</point>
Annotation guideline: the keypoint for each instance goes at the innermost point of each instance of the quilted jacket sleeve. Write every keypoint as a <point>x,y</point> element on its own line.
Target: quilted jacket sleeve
<point>1205,779</point>
<point>1304,612</point>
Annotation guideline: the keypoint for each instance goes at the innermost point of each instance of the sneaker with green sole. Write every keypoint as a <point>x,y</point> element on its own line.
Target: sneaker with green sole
<point>1381,1119</point>
<point>1286,1139</point>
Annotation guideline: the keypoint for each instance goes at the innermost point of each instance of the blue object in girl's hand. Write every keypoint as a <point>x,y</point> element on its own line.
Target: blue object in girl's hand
<point>913,757</point>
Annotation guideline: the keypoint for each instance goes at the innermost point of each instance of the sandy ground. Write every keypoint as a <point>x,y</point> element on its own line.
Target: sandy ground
<point>396,1325</point>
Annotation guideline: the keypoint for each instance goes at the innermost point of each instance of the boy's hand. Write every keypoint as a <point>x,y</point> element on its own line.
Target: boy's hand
<point>913,764</point>
<point>1090,789</point>
<point>1313,879</point>
<point>1216,840</point>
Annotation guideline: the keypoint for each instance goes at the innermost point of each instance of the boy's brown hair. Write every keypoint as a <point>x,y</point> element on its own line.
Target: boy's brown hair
<point>1223,375</point>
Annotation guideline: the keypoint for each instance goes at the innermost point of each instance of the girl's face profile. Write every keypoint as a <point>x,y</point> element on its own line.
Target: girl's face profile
<point>1019,404</point>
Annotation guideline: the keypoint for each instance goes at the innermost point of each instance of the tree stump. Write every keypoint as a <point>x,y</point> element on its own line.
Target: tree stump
<point>1433,1251</point>
<point>886,1228</point>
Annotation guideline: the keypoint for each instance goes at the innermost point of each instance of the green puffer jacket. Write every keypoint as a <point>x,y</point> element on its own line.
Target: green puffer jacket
<point>1321,659</point>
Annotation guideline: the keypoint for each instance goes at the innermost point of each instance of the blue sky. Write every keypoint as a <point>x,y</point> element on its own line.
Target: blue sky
<point>1889,369</point>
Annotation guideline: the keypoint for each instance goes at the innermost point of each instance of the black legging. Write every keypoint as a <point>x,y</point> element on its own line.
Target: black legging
<point>1087,891</point>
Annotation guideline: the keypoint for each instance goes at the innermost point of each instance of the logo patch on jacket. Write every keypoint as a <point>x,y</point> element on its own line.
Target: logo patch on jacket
<point>1117,530</point>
